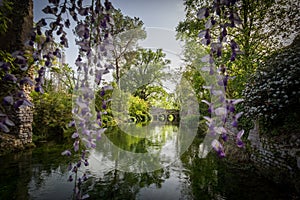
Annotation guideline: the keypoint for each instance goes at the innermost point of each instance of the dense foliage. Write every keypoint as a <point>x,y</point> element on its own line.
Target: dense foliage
<point>52,114</point>
<point>192,54</point>
<point>245,36</point>
<point>258,28</point>
<point>126,33</point>
<point>273,91</point>
<point>137,109</point>
<point>5,11</point>
<point>145,72</point>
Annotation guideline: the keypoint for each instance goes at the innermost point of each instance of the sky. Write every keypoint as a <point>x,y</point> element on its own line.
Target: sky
<point>154,13</point>
<point>160,19</point>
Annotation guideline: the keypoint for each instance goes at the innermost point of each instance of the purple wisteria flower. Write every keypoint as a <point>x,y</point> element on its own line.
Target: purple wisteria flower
<point>89,143</point>
<point>76,145</point>
<point>71,124</point>
<point>211,124</point>
<point>3,127</point>
<point>86,163</point>
<point>75,135</point>
<point>100,132</point>
<point>210,106</point>
<point>224,136</point>
<point>75,169</point>
<point>8,122</point>
<point>239,141</point>
<point>231,104</point>
<point>8,100</point>
<point>235,119</point>
<point>203,13</point>
<point>10,77</point>
<point>66,153</point>
<point>78,164</point>
<point>26,80</point>
<point>70,167</point>
<point>84,177</point>
<point>218,147</point>
<point>222,131</point>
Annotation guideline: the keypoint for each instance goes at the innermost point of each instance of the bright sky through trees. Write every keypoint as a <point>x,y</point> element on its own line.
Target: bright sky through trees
<point>160,19</point>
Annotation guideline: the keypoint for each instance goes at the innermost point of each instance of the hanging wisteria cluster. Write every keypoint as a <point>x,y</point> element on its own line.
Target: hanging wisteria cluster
<point>40,48</point>
<point>220,17</point>
<point>93,25</point>
<point>95,42</point>
<point>13,85</point>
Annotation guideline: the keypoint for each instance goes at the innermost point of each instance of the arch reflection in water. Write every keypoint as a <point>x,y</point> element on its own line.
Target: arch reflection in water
<point>145,149</point>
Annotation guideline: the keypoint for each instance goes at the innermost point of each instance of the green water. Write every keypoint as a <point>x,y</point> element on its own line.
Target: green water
<point>42,173</point>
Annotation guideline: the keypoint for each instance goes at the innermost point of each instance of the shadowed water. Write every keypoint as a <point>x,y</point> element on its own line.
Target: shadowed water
<point>42,173</point>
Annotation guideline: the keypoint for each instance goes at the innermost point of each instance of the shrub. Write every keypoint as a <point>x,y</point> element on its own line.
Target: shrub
<point>273,91</point>
<point>137,108</point>
<point>52,113</point>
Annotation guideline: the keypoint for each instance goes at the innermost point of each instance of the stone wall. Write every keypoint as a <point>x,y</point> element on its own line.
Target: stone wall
<point>278,159</point>
<point>14,39</point>
<point>25,117</point>
<point>20,136</point>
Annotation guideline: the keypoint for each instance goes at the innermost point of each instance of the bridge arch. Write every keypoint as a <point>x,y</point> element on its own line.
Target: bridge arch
<point>165,115</point>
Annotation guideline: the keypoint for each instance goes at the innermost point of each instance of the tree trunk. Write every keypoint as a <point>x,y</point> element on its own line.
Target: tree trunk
<point>20,26</point>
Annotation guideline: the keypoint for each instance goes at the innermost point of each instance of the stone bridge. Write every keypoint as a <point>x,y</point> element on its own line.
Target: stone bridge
<point>165,115</point>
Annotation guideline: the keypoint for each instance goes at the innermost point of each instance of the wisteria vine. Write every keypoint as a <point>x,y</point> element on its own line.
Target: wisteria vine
<point>93,25</point>
<point>220,17</point>
<point>93,30</point>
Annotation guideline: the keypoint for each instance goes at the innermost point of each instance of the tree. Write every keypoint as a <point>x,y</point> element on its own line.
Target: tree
<point>126,32</point>
<point>261,28</point>
<point>192,53</point>
<point>145,72</point>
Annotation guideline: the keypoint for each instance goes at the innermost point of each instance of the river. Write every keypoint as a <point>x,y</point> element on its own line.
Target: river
<point>120,168</point>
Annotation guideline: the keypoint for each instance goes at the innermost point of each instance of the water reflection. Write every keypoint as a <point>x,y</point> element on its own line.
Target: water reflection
<point>163,145</point>
<point>145,149</point>
<point>161,184</point>
<point>42,174</point>
<point>38,174</point>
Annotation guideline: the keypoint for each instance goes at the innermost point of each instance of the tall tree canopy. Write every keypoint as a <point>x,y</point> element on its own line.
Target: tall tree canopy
<point>261,28</point>
<point>146,71</point>
<point>126,33</point>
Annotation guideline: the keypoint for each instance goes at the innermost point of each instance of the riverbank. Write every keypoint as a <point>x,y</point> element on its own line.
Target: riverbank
<point>10,143</point>
<point>275,158</point>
